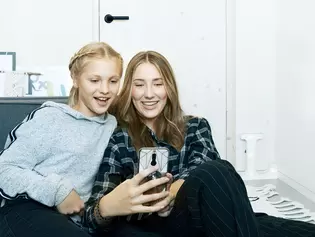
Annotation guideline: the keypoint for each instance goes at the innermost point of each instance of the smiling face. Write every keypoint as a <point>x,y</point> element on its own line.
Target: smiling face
<point>148,93</point>
<point>97,86</point>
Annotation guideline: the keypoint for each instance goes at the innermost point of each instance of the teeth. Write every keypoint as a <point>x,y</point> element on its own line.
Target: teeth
<point>103,99</point>
<point>149,103</point>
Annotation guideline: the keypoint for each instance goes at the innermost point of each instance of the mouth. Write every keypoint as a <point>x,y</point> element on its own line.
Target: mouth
<point>149,103</point>
<point>102,100</point>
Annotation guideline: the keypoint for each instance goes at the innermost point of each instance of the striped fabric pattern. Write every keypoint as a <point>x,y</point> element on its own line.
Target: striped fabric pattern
<point>10,140</point>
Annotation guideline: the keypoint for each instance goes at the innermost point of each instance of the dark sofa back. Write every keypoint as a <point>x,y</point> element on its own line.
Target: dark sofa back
<point>14,109</point>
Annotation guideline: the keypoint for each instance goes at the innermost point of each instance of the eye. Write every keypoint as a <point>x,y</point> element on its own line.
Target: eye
<point>93,80</point>
<point>139,85</point>
<point>113,81</point>
<point>158,84</point>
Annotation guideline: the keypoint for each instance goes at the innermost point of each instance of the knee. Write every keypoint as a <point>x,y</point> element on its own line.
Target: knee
<point>213,170</point>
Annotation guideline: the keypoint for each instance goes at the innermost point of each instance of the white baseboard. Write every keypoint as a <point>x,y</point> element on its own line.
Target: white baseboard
<point>259,175</point>
<point>297,186</point>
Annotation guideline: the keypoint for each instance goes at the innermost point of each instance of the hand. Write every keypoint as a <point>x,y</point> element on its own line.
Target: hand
<point>129,198</point>
<point>165,212</point>
<point>157,189</point>
<point>169,184</point>
<point>168,201</point>
<point>71,205</point>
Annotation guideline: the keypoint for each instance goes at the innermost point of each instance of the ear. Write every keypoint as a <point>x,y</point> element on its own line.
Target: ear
<point>75,82</point>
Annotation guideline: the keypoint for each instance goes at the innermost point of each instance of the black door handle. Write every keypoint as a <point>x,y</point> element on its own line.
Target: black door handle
<point>109,18</point>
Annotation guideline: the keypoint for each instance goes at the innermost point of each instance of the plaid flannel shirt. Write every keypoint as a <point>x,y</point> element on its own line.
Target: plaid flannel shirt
<point>120,162</point>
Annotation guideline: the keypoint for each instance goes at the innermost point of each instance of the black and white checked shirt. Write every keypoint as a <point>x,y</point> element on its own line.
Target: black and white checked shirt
<point>120,162</point>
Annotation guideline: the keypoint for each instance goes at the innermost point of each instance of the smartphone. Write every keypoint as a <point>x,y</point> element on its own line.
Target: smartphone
<point>154,156</point>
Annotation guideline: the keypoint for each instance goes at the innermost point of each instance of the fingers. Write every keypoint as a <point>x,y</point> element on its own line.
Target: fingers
<point>165,213</point>
<point>76,209</point>
<point>79,207</point>
<point>148,198</point>
<point>165,202</point>
<point>161,207</point>
<point>150,184</point>
<point>146,209</point>
<point>169,175</point>
<point>165,209</point>
<point>141,175</point>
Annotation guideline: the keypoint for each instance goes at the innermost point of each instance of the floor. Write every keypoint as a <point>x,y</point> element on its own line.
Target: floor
<point>285,191</point>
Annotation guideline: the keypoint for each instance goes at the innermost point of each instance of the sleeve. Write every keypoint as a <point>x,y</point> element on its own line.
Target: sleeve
<point>25,148</point>
<point>109,176</point>
<point>200,150</point>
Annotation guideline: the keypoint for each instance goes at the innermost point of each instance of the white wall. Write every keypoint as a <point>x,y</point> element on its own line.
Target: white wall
<point>49,32</point>
<point>270,61</point>
<point>255,58</point>
<point>271,64</point>
<point>295,91</point>
<point>45,33</point>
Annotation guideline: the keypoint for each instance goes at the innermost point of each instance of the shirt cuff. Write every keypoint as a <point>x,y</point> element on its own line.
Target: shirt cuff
<point>91,221</point>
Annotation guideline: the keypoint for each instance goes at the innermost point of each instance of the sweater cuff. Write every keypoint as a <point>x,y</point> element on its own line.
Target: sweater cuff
<point>64,189</point>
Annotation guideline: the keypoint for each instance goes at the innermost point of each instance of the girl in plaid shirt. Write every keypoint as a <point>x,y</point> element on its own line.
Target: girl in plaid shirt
<point>206,196</point>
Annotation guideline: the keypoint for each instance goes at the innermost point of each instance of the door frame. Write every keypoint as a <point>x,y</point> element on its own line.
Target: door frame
<point>230,111</point>
<point>96,31</point>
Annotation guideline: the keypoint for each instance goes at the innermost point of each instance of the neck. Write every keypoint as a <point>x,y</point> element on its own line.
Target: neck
<point>150,124</point>
<point>80,107</point>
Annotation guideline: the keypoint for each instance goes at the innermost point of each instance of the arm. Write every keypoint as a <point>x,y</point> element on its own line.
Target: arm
<point>109,176</point>
<point>25,149</point>
<point>115,193</point>
<point>201,147</point>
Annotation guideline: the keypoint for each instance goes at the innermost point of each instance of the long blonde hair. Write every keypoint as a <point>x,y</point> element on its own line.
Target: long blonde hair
<point>94,50</point>
<point>171,124</point>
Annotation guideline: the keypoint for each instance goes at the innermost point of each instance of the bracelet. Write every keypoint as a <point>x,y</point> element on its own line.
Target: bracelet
<point>97,211</point>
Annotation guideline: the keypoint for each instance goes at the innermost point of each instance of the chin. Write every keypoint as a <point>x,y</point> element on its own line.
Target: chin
<point>150,115</point>
<point>100,111</point>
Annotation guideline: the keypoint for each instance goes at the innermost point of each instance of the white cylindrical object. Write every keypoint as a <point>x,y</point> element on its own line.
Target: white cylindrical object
<point>250,157</point>
<point>251,143</point>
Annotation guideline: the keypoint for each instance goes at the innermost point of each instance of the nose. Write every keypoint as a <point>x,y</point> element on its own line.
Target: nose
<point>148,93</point>
<point>104,87</point>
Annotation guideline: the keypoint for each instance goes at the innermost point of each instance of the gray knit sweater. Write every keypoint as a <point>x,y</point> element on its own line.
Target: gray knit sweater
<point>54,150</point>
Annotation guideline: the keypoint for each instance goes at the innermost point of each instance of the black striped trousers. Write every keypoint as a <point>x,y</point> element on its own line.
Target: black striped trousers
<point>213,202</point>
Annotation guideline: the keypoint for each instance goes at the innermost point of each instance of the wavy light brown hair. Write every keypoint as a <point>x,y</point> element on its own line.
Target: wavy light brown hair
<point>170,123</point>
<point>94,50</point>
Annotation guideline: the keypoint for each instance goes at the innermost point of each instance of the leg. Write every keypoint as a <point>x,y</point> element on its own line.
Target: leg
<point>131,230</point>
<point>278,227</point>
<point>29,218</point>
<point>213,202</point>
<point>150,227</point>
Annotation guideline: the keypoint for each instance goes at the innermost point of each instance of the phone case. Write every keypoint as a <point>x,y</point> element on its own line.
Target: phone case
<point>151,156</point>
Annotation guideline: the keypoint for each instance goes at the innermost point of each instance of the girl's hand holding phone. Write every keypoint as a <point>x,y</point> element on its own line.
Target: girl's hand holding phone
<point>129,197</point>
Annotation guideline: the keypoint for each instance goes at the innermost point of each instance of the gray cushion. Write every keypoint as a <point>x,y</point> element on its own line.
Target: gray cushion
<point>14,109</point>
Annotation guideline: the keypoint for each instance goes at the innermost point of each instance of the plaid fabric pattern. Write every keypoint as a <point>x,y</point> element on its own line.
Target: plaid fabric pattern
<point>120,162</point>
